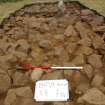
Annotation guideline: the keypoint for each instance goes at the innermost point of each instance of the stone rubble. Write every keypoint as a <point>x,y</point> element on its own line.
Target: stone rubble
<point>42,36</point>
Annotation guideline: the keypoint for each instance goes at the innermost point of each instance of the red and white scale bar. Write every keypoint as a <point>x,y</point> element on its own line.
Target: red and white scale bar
<point>67,68</point>
<point>28,67</point>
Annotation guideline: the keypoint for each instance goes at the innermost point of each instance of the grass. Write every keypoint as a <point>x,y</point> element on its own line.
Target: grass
<point>8,0</point>
<point>7,8</point>
<point>10,7</point>
<point>98,5</point>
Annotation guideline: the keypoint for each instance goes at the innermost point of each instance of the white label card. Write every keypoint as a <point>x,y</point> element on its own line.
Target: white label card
<point>51,90</point>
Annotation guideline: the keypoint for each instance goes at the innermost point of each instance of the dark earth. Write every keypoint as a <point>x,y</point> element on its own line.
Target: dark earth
<point>46,34</point>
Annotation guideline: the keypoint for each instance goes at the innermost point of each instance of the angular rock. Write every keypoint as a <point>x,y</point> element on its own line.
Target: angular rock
<point>9,58</point>
<point>17,33</point>
<point>63,103</point>
<point>70,31</point>
<point>1,32</point>
<point>86,12</point>
<point>34,55</point>
<point>95,61</point>
<point>4,45</point>
<point>82,79</point>
<point>61,53</point>
<point>1,101</point>
<point>58,51</point>
<point>5,82</point>
<point>26,101</point>
<point>34,22</point>
<point>3,71</point>
<point>53,24</point>
<point>98,80</point>
<point>11,72</point>
<point>3,64</point>
<point>53,75</point>
<point>13,94</point>
<point>18,18</point>
<point>37,57</point>
<point>98,42</point>
<point>33,36</point>
<point>45,44</point>
<point>99,28</point>
<point>88,71</point>
<point>102,88</point>
<point>85,42</point>
<point>10,98</point>
<point>79,60</point>
<point>71,47</point>
<point>24,92</point>
<point>20,55</point>
<point>44,28</point>
<point>68,73</point>
<point>20,79</point>
<point>79,81</point>
<point>82,88</point>
<point>36,74</point>
<point>22,45</point>
<point>93,96</point>
<point>97,20</point>
<point>84,50</point>
<point>83,29</point>
<point>59,37</point>
<point>58,103</point>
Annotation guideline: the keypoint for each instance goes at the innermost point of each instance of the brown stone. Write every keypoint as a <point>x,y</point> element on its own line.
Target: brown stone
<point>20,55</point>
<point>98,80</point>
<point>34,23</point>
<point>24,92</point>
<point>79,59</point>
<point>13,94</point>
<point>59,37</point>
<point>85,42</point>
<point>22,45</point>
<point>20,79</point>
<point>98,42</point>
<point>4,45</point>
<point>17,33</point>
<point>95,60</point>
<point>26,101</point>
<point>83,29</point>
<point>86,12</point>
<point>61,54</point>
<point>88,70</point>
<point>10,98</point>
<point>5,82</point>
<point>71,47</point>
<point>70,31</point>
<point>68,74</point>
<point>84,50</point>
<point>93,96</point>
<point>82,88</point>
<point>36,74</point>
<point>45,44</point>
<point>63,103</point>
<point>53,75</point>
<point>99,28</point>
<point>3,64</point>
<point>97,20</point>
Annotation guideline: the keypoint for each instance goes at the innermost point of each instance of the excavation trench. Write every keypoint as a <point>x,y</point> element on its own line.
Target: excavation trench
<point>43,34</point>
